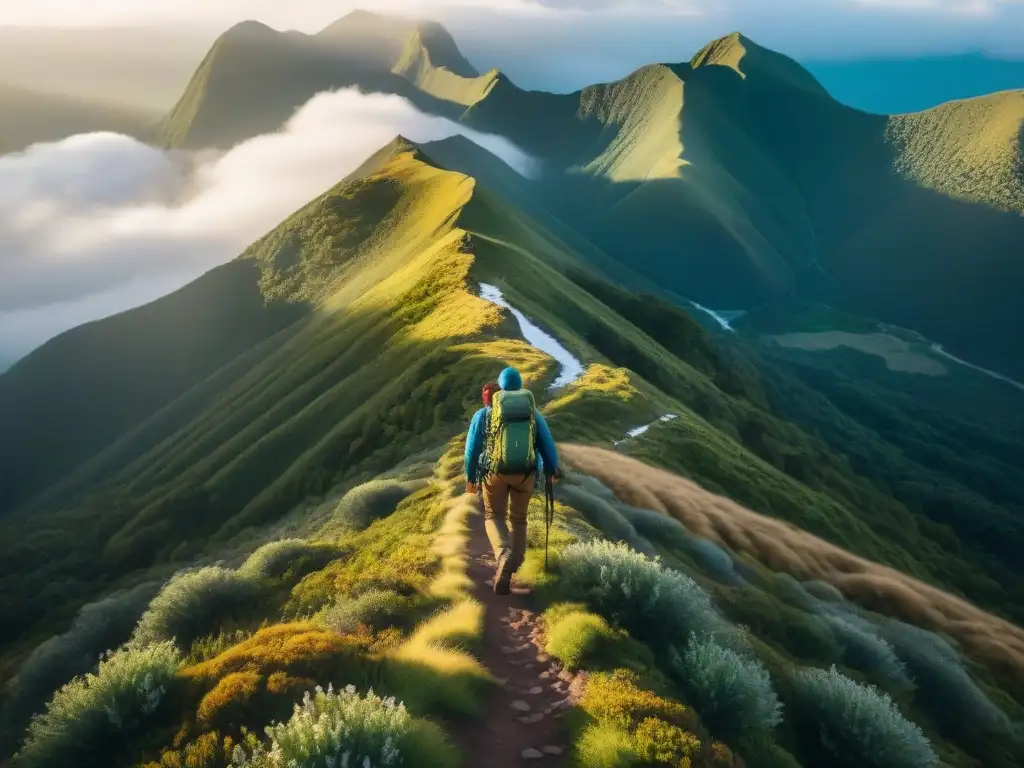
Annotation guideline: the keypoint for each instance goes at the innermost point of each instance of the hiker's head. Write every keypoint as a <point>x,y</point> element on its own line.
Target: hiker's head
<point>488,391</point>
<point>509,379</point>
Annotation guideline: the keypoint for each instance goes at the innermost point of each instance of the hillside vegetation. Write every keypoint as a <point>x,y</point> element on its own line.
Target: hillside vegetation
<point>311,421</point>
<point>233,531</point>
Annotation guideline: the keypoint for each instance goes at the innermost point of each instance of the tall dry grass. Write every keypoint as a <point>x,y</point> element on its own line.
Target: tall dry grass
<point>784,547</point>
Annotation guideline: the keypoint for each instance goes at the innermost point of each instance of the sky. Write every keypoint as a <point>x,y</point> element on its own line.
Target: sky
<point>100,222</point>
<point>607,30</point>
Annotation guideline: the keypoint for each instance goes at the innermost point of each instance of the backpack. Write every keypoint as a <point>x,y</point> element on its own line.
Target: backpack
<point>511,432</point>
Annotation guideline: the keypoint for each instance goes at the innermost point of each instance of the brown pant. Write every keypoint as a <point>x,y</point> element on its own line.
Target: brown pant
<point>507,497</point>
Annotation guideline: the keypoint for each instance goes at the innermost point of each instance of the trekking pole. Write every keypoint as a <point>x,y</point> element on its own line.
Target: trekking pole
<point>549,514</point>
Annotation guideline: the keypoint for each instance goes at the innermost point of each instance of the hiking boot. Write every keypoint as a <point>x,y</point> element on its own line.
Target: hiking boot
<point>503,574</point>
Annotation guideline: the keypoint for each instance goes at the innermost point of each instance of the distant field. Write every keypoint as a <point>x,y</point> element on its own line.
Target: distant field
<point>898,354</point>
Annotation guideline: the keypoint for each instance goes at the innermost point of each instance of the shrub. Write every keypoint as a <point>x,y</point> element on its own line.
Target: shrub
<point>617,698</point>
<point>659,743</point>
<point>193,603</point>
<point>824,591</point>
<point>603,745</point>
<point>732,694</point>
<point>346,729</point>
<point>376,608</point>
<point>299,649</point>
<point>866,651</point>
<point>276,558</point>
<point>859,725</point>
<point>89,720</point>
<point>367,503</point>
<point>98,626</point>
<point>944,687</point>
<point>713,560</point>
<point>603,516</point>
<point>665,530</point>
<point>577,637</point>
<point>636,592</point>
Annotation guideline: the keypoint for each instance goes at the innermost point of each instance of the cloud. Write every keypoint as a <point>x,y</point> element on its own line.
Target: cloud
<point>98,223</point>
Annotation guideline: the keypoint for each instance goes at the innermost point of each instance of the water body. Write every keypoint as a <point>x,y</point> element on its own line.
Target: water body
<point>572,368</point>
<point>637,431</point>
<point>723,317</point>
<point>937,349</point>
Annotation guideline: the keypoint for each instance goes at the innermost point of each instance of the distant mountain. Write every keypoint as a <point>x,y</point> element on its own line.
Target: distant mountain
<point>889,86</point>
<point>27,117</point>
<point>283,70</point>
<point>737,179</point>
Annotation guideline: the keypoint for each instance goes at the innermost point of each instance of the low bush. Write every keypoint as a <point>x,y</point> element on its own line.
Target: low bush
<point>90,720</point>
<point>652,602</point>
<point>98,626</point>
<point>375,608</point>
<point>367,503</point>
<point>865,651</point>
<point>600,513</point>
<point>577,639</point>
<point>859,725</point>
<point>655,526</point>
<point>346,729</point>
<point>300,649</point>
<point>944,688</point>
<point>733,694</point>
<point>195,603</point>
<point>713,560</point>
<point>295,556</point>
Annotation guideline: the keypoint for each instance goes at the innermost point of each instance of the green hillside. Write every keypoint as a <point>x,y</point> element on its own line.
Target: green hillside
<point>28,117</point>
<point>308,400</point>
<point>749,183</point>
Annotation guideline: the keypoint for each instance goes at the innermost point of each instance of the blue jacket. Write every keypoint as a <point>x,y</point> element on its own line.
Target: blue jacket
<point>544,444</point>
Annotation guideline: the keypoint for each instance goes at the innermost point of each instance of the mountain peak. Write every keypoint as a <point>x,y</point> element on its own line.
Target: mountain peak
<point>745,57</point>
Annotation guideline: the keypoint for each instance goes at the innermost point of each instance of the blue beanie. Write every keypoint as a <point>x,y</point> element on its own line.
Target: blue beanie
<point>509,379</point>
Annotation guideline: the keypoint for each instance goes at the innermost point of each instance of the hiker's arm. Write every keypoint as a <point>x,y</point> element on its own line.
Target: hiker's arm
<point>474,445</point>
<point>546,445</point>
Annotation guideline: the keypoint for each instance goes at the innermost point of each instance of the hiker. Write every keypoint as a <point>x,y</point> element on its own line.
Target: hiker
<point>511,439</point>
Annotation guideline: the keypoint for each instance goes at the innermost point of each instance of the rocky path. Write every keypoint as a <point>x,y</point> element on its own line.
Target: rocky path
<point>523,722</point>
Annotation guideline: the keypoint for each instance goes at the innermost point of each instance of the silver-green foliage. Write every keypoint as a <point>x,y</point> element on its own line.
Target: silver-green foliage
<point>377,608</point>
<point>89,719</point>
<point>636,592</point>
<point>860,725</point>
<point>195,603</point>
<point>944,686</point>
<point>863,649</point>
<point>107,623</point>
<point>601,513</point>
<point>274,559</point>
<point>346,730</point>
<point>732,693</point>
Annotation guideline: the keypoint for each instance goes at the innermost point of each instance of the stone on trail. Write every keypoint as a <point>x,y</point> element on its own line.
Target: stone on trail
<point>532,719</point>
<point>521,705</point>
<point>532,754</point>
<point>552,750</point>
<point>535,690</point>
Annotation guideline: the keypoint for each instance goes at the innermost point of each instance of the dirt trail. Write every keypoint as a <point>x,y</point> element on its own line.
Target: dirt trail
<point>523,721</point>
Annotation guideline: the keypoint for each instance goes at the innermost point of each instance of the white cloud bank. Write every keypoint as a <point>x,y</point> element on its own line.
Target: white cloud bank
<point>98,223</point>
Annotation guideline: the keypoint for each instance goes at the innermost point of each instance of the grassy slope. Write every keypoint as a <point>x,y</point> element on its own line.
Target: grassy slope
<point>27,117</point>
<point>384,362</point>
<point>779,182</point>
